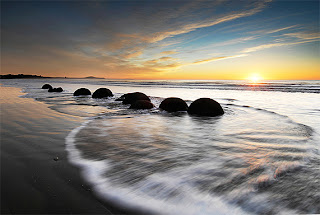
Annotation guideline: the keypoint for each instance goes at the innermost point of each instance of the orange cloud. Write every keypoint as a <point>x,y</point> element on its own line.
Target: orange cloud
<point>133,54</point>
<point>162,63</point>
<point>168,52</point>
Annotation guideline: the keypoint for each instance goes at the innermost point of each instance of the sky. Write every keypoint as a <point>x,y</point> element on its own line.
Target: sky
<point>162,39</point>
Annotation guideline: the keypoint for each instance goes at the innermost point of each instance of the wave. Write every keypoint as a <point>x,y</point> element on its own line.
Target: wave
<point>273,86</point>
<point>94,171</point>
<point>170,164</point>
<point>293,87</point>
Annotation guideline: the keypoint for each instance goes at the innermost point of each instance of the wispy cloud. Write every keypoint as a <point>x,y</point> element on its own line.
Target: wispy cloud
<point>304,35</point>
<point>272,31</point>
<point>286,39</point>
<point>208,60</point>
<point>159,36</point>
<point>162,63</point>
<point>132,54</point>
<point>261,47</point>
<point>273,45</point>
<point>168,53</point>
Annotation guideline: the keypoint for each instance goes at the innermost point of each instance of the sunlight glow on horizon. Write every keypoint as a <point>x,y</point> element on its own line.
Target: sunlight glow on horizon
<point>255,78</point>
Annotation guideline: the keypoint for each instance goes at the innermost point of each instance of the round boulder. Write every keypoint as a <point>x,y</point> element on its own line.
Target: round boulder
<point>173,104</point>
<point>141,104</point>
<point>46,86</point>
<point>205,107</point>
<point>102,93</point>
<point>58,90</point>
<point>82,91</point>
<point>130,98</point>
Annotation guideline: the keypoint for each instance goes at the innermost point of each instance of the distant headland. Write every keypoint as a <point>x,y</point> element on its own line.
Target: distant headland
<point>10,76</point>
<point>92,77</point>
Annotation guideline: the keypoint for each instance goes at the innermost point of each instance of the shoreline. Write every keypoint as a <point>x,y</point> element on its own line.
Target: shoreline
<point>32,180</point>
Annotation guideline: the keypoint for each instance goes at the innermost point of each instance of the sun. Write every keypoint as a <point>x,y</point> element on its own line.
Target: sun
<point>255,78</point>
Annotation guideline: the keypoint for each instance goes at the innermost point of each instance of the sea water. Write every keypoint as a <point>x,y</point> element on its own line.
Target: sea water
<point>261,157</point>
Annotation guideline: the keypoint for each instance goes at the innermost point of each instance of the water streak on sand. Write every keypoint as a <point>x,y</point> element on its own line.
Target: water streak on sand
<point>173,159</point>
<point>95,172</point>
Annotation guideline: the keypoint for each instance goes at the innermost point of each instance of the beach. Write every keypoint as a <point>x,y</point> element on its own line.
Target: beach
<point>63,154</point>
<point>33,180</point>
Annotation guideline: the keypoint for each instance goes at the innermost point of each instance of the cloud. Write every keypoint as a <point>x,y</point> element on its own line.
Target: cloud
<point>218,58</point>
<point>304,35</point>
<point>272,45</point>
<point>133,54</point>
<point>168,52</point>
<point>162,63</point>
<point>264,32</point>
<point>286,39</point>
<point>264,46</point>
<point>225,43</point>
<point>186,28</point>
<point>166,58</point>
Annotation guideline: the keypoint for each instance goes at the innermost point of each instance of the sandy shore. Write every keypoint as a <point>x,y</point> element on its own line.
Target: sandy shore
<point>32,182</point>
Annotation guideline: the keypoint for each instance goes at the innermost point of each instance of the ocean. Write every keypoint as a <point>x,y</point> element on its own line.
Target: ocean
<point>261,157</point>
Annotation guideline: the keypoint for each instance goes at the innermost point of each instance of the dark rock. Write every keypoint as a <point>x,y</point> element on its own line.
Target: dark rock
<point>102,93</point>
<point>56,158</point>
<point>205,107</point>
<point>121,98</point>
<point>130,98</point>
<point>173,104</point>
<point>47,86</point>
<point>82,91</point>
<point>141,104</point>
<point>59,90</point>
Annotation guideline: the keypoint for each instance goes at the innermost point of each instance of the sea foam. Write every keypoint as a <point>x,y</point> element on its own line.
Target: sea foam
<point>143,196</point>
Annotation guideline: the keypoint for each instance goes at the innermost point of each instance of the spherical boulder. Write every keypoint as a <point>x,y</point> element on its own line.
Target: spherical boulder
<point>173,104</point>
<point>46,86</point>
<point>141,104</point>
<point>130,98</point>
<point>205,107</point>
<point>58,90</point>
<point>82,91</point>
<point>102,93</point>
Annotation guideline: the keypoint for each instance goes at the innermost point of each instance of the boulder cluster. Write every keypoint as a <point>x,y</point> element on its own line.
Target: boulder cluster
<point>98,94</point>
<point>52,89</point>
<point>200,107</point>
<point>138,100</point>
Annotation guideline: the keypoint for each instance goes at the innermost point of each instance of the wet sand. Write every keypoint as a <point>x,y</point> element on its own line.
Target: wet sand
<point>32,180</point>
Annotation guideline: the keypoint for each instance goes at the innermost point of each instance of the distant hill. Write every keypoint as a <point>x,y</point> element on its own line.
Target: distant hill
<point>10,76</point>
<point>92,77</point>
